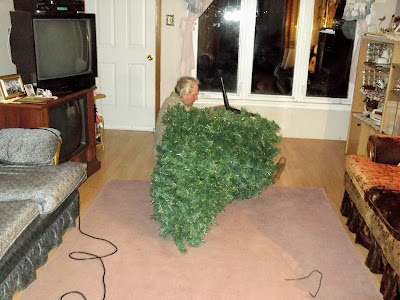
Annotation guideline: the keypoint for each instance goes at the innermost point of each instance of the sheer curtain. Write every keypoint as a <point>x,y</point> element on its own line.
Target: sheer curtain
<point>195,9</point>
<point>357,9</point>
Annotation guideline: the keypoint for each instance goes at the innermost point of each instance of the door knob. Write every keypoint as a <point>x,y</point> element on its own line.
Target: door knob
<point>149,57</point>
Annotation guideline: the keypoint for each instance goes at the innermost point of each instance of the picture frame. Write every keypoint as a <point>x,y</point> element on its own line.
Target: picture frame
<point>397,30</point>
<point>11,86</point>
<point>40,92</point>
<point>29,90</point>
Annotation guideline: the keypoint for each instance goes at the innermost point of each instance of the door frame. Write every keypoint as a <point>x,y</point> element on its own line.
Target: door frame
<point>158,57</point>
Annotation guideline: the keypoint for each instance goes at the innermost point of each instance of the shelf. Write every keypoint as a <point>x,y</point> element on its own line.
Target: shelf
<point>369,75</point>
<point>374,94</point>
<point>378,67</point>
<point>367,120</point>
<point>99,96</point>
<point>378,37</point>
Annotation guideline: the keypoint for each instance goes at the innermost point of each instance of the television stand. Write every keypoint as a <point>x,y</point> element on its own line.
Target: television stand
<point>13,115</point>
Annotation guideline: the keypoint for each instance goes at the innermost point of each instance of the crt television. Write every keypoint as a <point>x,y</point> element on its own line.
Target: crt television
<point>54,51</point>
<point>71,119</point>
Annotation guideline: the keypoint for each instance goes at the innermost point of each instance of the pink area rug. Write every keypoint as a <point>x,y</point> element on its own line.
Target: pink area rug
<point>258,244</point>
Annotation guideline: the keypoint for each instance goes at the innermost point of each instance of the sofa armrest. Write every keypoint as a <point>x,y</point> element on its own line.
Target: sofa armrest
<point>384,149</point>
<point>22,146</point>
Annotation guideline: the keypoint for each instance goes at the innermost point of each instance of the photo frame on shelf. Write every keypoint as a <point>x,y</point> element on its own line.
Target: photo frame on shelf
<point>39,92</point>
<point>30,91</point>
<point>11,86</point>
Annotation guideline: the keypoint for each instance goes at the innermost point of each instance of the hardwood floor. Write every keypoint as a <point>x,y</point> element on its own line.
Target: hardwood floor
<point>127,155</point>
<point>310,163</point>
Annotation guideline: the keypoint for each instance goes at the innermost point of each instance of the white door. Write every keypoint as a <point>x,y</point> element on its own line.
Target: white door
<point>125,47</point>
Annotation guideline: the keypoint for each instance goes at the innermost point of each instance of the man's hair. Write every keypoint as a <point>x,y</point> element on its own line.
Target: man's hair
<point>185,84</point>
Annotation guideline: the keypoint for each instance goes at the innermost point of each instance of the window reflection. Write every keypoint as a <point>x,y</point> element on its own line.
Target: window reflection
<point>218,45</point>
<point>274,46</point>
<point>331,51</point>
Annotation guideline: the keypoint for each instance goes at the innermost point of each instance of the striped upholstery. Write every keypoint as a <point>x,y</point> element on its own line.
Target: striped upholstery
<point>38,146</point>
<point>47,185</point>
<point>15,217</point>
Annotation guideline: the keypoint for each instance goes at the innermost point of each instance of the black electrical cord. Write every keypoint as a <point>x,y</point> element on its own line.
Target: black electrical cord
<point>320,281</point>
<point>74,255</point>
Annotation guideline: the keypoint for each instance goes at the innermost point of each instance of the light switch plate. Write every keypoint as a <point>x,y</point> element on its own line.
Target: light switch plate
<point>170,20</point>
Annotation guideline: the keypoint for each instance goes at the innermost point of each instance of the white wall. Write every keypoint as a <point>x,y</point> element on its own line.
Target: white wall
<point>319,121</point>
<point>382,8</point>
<point>300,120</point>
<point>6,66</point>
<point>171,45</point>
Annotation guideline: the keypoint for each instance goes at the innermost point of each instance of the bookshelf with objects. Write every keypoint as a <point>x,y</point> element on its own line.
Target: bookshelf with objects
<point>376,101</point>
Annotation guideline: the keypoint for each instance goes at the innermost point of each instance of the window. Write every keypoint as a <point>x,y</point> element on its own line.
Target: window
<point>275,47</point>
<point>330,51</point>
<point>218,45</point>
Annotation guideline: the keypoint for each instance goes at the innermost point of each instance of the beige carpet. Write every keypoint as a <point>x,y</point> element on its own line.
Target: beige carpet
<point>286,233</point>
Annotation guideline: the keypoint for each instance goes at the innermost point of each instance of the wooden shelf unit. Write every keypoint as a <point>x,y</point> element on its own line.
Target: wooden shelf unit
<point>361,127</point>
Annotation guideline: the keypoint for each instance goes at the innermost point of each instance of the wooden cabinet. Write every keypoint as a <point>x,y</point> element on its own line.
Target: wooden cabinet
<point>23,115</point>
<point>377,86</point>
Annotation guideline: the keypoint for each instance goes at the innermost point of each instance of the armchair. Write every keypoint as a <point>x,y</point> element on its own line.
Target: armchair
<point>371,204</point>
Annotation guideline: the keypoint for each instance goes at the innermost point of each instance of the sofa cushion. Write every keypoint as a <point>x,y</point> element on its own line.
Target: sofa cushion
<point>47,185</point>
<point>28,146</point>
<point>15,217</point>
<point>367,175</point>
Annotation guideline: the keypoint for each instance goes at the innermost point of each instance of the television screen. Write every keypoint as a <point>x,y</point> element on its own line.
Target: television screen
<point>62,47</point>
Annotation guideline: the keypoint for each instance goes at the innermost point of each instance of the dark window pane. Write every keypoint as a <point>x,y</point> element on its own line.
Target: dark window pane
<point>331,51</point>
<point>218,46</point>
<point>274,46</point>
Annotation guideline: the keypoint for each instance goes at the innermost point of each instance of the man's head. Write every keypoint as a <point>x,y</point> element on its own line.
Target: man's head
<point>188,89</point>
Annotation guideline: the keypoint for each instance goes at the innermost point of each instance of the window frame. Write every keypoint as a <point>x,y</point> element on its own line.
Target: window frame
<point>246,48</point>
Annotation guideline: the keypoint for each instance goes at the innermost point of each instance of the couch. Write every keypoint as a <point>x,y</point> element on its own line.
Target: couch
<point>371,204</point>
<point>39,202</point>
